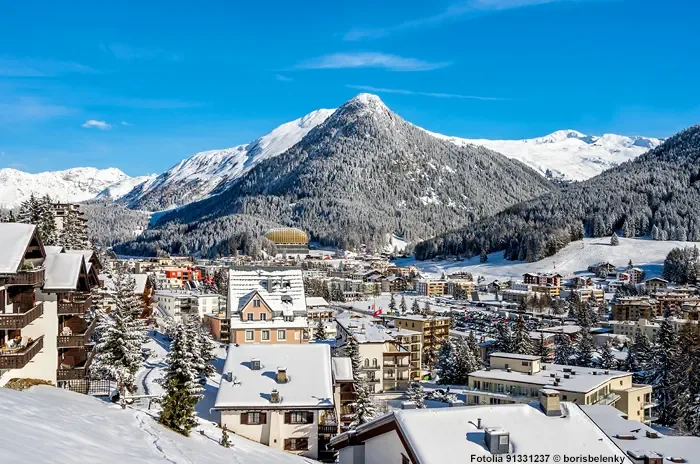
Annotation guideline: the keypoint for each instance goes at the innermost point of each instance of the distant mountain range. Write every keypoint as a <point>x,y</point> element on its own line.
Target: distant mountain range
<point>565,154</point>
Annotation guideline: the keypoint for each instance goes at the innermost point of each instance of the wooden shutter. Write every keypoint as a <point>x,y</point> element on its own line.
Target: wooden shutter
<point>309,417</point>
<point>244,418</point>
<point>287,444</point>
<point>287,417</point>
<point>263,418</point>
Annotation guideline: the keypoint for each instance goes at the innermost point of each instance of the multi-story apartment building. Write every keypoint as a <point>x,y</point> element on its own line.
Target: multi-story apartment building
<point>634,308</point>
<point>467,285</point>
<point>386,363</point>
<point>318,309</point>
<point>344,393</point>
<point>673,302</point>
<point>184,302</point>
<point>61,212</point>
<point>629,328</point>
<point>655,283</point>
<point>514,378</point>
<point>280,396</point>
<point>182,273</point>
<point>412,340</point>
<point>546,283</point>
<point>590,293</point>
<point>431,287</point>
<point>435,329</point>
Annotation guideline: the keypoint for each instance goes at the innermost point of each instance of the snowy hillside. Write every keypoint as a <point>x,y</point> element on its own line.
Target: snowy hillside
<point>196,177</point>
<point>71,185</point>
<point>575,257</point>
<point>47,424</point>
<point>121,188</point>
<point>567,154</point>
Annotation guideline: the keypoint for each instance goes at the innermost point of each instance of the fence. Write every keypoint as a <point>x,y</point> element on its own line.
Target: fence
<point>89,387</point>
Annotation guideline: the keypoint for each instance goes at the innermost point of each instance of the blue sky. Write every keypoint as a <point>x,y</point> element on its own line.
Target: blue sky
<point>141,85</point>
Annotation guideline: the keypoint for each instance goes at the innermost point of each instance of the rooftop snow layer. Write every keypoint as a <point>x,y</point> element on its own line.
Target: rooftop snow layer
<point>308,370</point>
<point>342,369</point>
<point>15,240</point>
<point>62,271</point>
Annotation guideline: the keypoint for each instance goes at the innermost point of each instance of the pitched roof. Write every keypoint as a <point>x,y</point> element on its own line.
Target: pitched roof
<point>62,271</point>
<point>312,301</point>
<point>50,249</point>
<point>342,369</point>
<point>308,369</point>
<point>15,240</point>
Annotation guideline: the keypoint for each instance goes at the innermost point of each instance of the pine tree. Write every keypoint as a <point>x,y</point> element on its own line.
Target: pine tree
<point>426,309</point>
<point>352,351</point>
<point>182,392</point>
<point>584,348</point>
<point>119,349</point>
<point>415,309</point>
<point>392,304</point>
<point>563,349</point>
<point>542,349</point>
<point>522,343</point>
<point>30,211</point>
<point>364,408</point>
<point>47,221</point>
<point>202,345</point>
<point>225,440</point>
<point>416,394</point>
<point>445,364</point>
<point>641,348</point>
<point>607,358</point>
<point>320,331</point>
<point>465,361</point>
<point>402,305</point>
<point>504,338</point>
<point>70,235</point>
<point>614,240</point>
<point>483,256</point>
<point>661,373</point>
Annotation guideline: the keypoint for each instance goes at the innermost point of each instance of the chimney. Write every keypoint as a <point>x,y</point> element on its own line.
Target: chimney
<point>255,364</point>
<point>497,440</point>
<point>478,423</point>
<point>282,375</point>
<point>549,402</point>
<point>274,396</point>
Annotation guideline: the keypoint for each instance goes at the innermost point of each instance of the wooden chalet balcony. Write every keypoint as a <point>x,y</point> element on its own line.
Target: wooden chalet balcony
<point>75,306</point>
<point>30,277</point>
<point>77,341</point>
<point>77,372</point>
<point>332,429</point>
<point>15,321</point>
<point>17,359</point>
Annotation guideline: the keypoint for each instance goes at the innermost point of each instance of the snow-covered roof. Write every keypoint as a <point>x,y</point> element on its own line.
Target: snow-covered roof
<point>282,288</point>
<point>525,357</point>
<point>140,281</point>
<point>86,253</point>
<point>51,249</point>
<point>308,367</point>
<point>62,271</point>
<point>342,369</point>
<point>364,330</point>
<point>613,422</point>
<point>438,435</point>
<point>15,240</point>
<point>48,424</point>
<point>314,301</point>
<point>581,381</point>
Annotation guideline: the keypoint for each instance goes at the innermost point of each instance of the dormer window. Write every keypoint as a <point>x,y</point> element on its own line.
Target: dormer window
<point>256,303</point>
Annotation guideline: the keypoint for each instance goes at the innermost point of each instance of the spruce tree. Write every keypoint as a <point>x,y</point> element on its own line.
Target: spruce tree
<point>225,440</point>
<point>504,338</point>
<point>522,343</point>
<point>320,331</point>
<point>352,351</point>
<point>392,304</point>
<point>563,349</point>
<point>445,364</point>
<point>30,211</point>
<point>542,349</point>
<point>182,392</point>
<point>402,305</point>
<point>70,236</point>
<point>202,345</point>
<point>661,373</point>
<point>607,358</point>
<point>614,240</point>
<point>465,361</point>
<point>416,394</point>
<point>426,309</point>
<point>415,309</point>
<point>364,408</point>
<point>584,348</point>
<point>47,222</point>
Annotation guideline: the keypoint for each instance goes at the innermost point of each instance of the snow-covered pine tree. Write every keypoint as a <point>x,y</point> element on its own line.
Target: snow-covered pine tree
<point>504,338</point>
<point>47,221</point>
<point>118,354</point>
<point>607,359</point>
<point>563,349</point>
<point>182,391</point>
<point>465,362</point>
<point>30,211</point>
<point>661,373</point>
<point>522,343</point>
<point>392,304</point>
<point>364,408</point>
<point>416,394</point>
<point>320,331</point>
<point>402,305</point>
<point>426,309</point>
<point>204,346</point>
<point>352,351</point>
<point>474,346</point>
<point>614,240</point>
<point>542,349</point>
<point>687,375</point>
<point>642,354</point>
<point>70,235</point>
<point>415,308</point>
<point>445,364</point>
<point>225,440</point>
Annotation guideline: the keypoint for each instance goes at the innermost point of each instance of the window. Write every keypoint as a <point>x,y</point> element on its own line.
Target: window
<point>249,335</point>
<point>296,444</point>
<point>253,418</point>
<point>250,316</point>
<point>374,362</point>
<point>281,335</point>
<point>265,335</point>
<point>526,363</point>
<point>263,316</point>
<point>299,417</point>
<point>366,362</point>
<point>563,397</point>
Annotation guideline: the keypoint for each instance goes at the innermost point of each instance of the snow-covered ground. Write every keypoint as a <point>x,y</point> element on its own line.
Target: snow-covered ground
<point>575,257</point>
<point>47,424</point>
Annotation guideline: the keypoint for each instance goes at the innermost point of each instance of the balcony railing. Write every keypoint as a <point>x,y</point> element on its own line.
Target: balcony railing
<point>21,320</point>
<point>32,277</point>
<point>373,380</point>
<point>328,429</point>
<point>76,372</point>
<point>77,341</point>
<point>370,368</point>
<point>18,359</point>
<point>74,307</point>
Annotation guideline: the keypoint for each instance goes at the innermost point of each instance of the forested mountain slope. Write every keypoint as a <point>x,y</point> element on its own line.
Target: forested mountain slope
<point>362,174</point>
<point>658,194</point>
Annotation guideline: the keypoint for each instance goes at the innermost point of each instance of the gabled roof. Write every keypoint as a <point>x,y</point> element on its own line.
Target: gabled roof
<point>16,237</point>
<point>140,281</point>
<point>342,369</point>
<point>312,301</point>
<point>51,249</point>
<point>308,369</point>
<point>63,271</point>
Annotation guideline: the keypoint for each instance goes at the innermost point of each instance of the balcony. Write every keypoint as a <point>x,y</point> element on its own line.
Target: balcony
<point>74,306</point>
<point>370,368</point>
<point>328,429</point>
<point>372,380</point>
<point>76,372</point>
<point>30,277</point>
<point>17,359</point>
<point>77,341</point>
<point>15,321</point>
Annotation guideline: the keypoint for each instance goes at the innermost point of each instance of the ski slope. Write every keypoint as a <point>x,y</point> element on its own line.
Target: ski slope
<point>574,258</point>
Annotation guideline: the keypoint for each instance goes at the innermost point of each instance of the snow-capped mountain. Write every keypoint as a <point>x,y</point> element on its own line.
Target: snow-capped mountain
<point>71,185</point>
<point>199,176</point>
<point>567,154</point>
<point>124,186</point>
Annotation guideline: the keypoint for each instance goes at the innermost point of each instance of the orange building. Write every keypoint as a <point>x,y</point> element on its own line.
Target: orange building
<point>183,274</point>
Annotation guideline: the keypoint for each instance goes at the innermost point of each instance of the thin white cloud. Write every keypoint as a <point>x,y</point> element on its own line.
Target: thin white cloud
<point>456,11</point>
<point>369,88</point>
<point>94,124</point>
<point>370,60</point>
<point>282,78</point>
<point>130,53</point>
<point>124,123</point>
<point>37,67</point>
